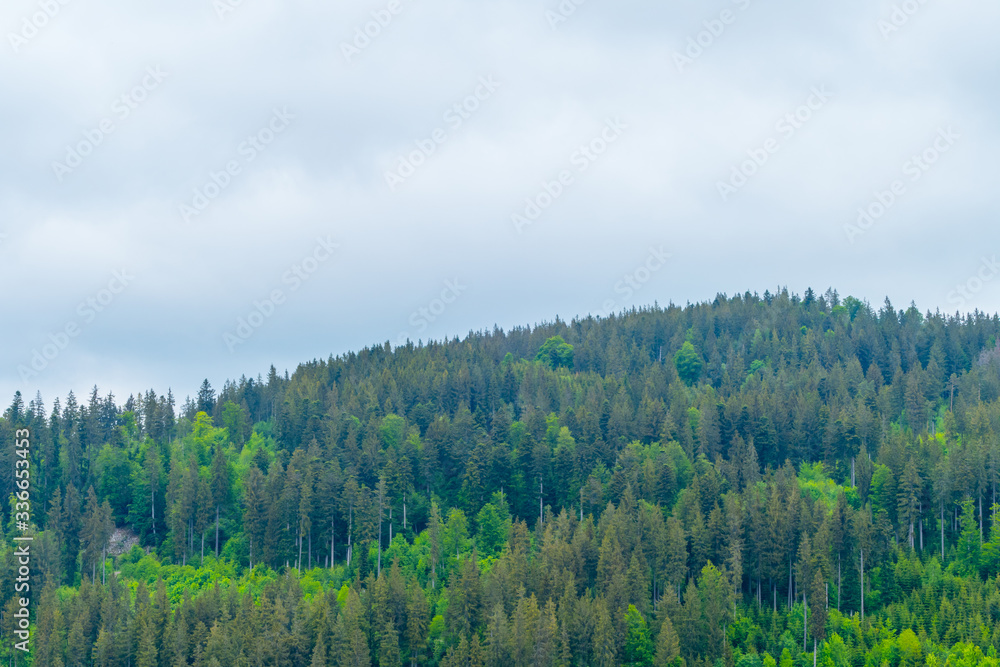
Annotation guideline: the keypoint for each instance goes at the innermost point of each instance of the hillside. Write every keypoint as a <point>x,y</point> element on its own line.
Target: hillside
<point>752,482</point>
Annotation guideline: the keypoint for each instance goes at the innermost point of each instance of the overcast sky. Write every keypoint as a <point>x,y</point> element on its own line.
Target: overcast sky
<point>423,168</point>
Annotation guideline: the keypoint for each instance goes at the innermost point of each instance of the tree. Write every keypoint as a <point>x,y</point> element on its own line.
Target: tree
<point>910,487</point>
<point>969,543</point>
<point>417,621</point>
<point>688,363</point>
<point>254,513</point>
<point>206,398</point>
<point>388,652</point>
<point>818,611</point>
<point>492,531</point>
<point>668,647</point>
<point>147,655</point>
<point>556,353</point>
<point>604,649</point>
<point>638,646</point>
<point>863,543</point>
<point>221,488</point>
<point>716,608</point>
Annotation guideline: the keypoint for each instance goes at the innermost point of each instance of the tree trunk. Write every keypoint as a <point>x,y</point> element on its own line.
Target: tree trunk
<point>862,584</point>
<point>920,509</point>
<point>541,491</point>
<point>980,518</point>
<point>805,621</point>
<point>216,531</point>
<point>942,533</point>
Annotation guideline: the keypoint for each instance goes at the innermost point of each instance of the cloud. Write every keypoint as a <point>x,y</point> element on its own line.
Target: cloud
<point>355,118</point>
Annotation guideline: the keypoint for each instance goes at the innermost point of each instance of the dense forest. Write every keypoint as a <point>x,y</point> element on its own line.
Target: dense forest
<point>756,481</point>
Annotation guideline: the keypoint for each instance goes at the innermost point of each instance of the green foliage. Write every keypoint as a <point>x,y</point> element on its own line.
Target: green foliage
<point>969,543</point>
<point>614,515</point>
<point>492,531</point>
<point>556,352</point>
<point>638,650</point>
<point>688,363</point>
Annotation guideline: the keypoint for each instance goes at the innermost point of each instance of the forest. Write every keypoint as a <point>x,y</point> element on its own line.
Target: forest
<point>774,480</point>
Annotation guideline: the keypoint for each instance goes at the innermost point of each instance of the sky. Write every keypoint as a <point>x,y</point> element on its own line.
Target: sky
<point>204,188</point>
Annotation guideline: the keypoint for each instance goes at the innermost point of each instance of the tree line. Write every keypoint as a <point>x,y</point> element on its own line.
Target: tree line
<point>748,481</point>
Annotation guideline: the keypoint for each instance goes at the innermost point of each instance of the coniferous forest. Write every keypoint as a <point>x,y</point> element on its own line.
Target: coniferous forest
<point>756,481</point>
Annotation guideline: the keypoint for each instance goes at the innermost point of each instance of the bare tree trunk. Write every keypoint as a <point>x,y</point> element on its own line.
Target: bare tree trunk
<point>805,621</point>
<point>921,530</point>
<point>216,531</point>
<point>541,491</point>
<point>862,584</point>
<point>379,533</point>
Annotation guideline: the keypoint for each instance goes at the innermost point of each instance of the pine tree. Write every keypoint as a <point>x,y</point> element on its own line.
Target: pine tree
<point>147,655</point>
<point>668,649</point>
<point>604,648</point>
<point>388,652</point>
<point>220,489</point>
<point>638,650</point>
<point>417,620</point>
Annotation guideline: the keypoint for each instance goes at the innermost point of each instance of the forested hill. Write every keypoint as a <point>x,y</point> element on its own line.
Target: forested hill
<point>751,482</point>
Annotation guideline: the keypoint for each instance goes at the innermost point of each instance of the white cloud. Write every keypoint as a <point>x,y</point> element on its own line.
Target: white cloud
<point>451,219</point>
